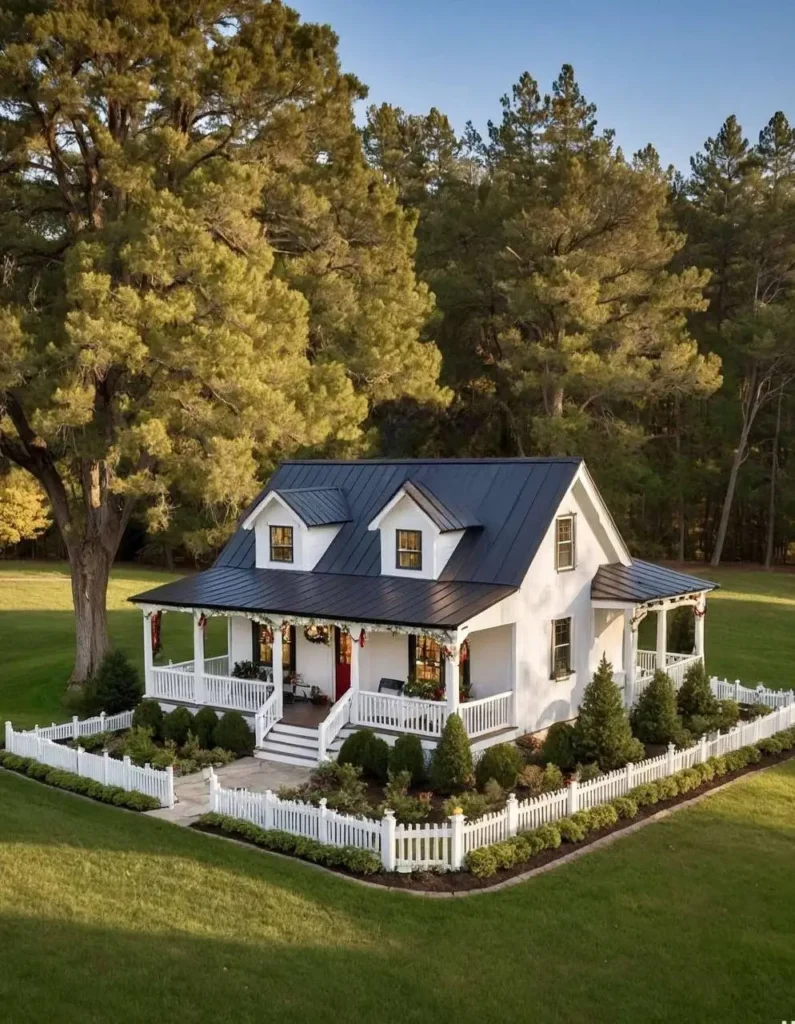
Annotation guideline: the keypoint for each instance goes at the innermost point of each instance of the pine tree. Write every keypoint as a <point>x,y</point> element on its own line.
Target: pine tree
<point>602,732</point>
<point>451,761</point>
<point>695,696</point>
<point>654,717</point>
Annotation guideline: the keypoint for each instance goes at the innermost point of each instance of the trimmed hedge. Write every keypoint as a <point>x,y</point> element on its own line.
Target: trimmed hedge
<point>132,799</point>
<point>360,862</point>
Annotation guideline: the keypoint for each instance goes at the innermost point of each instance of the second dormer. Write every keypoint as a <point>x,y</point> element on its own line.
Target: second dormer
<point>294,527</point>
<point>419,533</point>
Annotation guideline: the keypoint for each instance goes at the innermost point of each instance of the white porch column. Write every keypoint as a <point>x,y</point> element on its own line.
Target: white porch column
<point>278,669</point>
<point>149,688</point>
<point>662,636</point>
<point>198,660</point>
<point>451,679</point>
<point>355,682</point>
<point>630,649</point>
<point>699,611</point>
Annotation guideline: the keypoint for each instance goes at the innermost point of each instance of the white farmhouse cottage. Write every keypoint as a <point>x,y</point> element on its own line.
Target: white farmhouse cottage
<point>399,593</point>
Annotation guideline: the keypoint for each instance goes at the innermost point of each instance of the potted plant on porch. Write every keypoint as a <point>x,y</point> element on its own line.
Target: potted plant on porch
<point>318,697</point>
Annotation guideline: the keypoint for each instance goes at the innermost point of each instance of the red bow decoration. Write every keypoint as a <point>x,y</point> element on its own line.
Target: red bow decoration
<point>202,621</point>
<point>154,625</point>
<point>362,637</point>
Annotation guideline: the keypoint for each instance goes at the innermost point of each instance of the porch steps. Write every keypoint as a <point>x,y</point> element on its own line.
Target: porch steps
<point>290,744</point>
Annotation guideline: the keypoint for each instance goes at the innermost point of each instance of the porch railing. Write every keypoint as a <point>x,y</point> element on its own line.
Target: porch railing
<point>487,714</point>
<point>178,682</point>
<point>403,714</point>
<point>676,665</point>
<point>268,714</point>
<point>333,724</point>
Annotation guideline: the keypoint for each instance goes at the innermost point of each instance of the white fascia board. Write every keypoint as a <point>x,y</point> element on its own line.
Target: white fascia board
<point>375,524</point>
<point>271,496</point>
<point>603,512</point>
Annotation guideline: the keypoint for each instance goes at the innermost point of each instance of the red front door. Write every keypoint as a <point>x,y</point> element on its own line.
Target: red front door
<point>342,660</point>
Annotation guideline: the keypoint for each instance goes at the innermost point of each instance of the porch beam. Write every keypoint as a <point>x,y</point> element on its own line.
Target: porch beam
<point>699,613</point>
<point>199,693</point>
<point>278,668</point>
<point>452,670</point>
<point>355,633</point>
<point>662,637</point>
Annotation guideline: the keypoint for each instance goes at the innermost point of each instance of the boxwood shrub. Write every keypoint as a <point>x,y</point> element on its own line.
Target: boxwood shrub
<point>359,862</point>
<point>131,799</point>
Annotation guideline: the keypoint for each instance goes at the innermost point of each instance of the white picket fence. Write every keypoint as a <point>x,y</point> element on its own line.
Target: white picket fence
<point>444,846</point>
<point>724,690</point>
<point>85,727</point>
<point>99,767</point>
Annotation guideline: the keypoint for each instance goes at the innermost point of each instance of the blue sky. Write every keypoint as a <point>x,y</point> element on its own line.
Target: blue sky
<point>667,73</point>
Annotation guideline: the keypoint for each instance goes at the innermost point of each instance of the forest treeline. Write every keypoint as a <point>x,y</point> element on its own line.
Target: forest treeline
<point>209,266</point>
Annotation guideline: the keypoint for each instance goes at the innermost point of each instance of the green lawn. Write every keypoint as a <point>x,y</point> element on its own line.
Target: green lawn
<point>111,916</point>
<point>749,631</point>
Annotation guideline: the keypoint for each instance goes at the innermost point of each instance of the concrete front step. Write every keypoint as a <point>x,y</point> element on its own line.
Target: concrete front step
<point>300,761</point>
<point>290,744</point>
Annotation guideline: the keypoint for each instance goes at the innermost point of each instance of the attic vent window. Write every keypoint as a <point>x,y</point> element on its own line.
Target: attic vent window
<point>281,543</point>
<point>564,543</point>
<point>409,549</point>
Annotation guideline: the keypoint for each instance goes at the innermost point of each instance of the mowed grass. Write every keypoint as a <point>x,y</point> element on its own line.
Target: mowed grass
<point>749,631</point>
<point>105,915</point>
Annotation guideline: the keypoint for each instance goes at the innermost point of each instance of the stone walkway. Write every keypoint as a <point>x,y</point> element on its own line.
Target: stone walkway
<point>191,792</point>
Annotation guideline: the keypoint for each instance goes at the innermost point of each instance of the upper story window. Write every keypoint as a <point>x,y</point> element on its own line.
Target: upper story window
<point>561,648</point>
<point>281,543</point>
<point>565,554</point>
<point>409,549</point>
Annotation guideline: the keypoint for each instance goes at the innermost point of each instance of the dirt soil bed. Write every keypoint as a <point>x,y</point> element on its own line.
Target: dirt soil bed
<point>463,881</point>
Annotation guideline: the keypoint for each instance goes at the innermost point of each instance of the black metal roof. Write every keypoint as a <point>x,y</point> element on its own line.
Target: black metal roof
<point>445,518</point>
<point>317,506</point>
<point>643,581</point>
<point>378,599</point>
<point>512,500</point>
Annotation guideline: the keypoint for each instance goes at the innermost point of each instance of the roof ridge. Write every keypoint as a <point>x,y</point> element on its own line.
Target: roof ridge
<point>494,460</point>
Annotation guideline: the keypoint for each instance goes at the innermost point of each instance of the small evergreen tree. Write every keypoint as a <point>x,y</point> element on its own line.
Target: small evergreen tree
<point>233,733</point>
<point>602,732</point>
<point>695,696</point>
<point>177,724</point>
<point>451,764</point>
<point>118,685</point>
<point>204,724</point>
<point>407,756</point>
<point>558,746</point>
<point>149,714</point>
<point>654,718</point>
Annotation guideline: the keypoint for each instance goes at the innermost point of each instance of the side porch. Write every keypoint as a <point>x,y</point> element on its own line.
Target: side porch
<point>318,680</point>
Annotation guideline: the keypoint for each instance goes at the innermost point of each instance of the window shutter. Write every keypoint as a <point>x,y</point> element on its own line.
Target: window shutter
<point>412,654</point>
<point>292,648</point>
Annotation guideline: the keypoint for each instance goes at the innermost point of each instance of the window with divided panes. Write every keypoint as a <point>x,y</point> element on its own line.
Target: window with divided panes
<point>409,549</point>
<point>565,554</point>
<point>561,648</point>
<point>281,543</point>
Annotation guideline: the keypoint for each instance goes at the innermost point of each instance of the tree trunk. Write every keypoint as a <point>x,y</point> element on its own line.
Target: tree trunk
<point>90,566</point>
<point>771,506</point>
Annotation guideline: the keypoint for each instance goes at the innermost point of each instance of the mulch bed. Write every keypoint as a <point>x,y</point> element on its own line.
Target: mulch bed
<point>463,881</point>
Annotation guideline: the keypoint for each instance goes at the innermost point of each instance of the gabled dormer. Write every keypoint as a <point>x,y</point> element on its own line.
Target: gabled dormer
<point>294,527</point>
<point>418,532</point>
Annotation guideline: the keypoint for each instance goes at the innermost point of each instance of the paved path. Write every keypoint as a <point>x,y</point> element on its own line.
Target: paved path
<point>191,791</point>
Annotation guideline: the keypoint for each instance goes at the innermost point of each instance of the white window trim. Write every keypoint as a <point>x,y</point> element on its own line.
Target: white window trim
<point>408,551</point>
<point>553,647</point>
<point>572,516</point>
<point>281,561</point>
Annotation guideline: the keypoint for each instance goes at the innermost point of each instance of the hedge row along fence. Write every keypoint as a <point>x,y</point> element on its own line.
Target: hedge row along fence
<point>99,768</point>
<point>446,847</point>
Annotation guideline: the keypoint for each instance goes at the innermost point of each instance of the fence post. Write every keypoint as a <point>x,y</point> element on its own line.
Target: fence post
<point>703,755</point>
<point>737,690</point>
<point>574,796</point>
<point>512,811</point>
<point>170,784</point>
<point>670,763</point>
<point>388,857</point>
<point>102,720</point>
<point>268,808</point>
<point>322,822</point>
<point>457,841</point>
<point>75,727</point>
<point>127,773</point>
<point>80,753</point>
<point>213,780</point>
<point>9,731</point>
<point>630,766</point>
<point>105,759</point>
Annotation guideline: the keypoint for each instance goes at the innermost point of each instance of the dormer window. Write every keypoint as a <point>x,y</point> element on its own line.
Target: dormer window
<point>281,543</point>
<point>565,553</point>
<point>409,549</point>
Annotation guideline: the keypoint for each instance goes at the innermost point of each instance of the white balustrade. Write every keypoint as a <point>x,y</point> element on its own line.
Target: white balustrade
<point>333,724</point>
<point>173,684</point>
<point>267,715</point>
<point>239,694</point>
<point>403,714</point>
<point>489,714</point>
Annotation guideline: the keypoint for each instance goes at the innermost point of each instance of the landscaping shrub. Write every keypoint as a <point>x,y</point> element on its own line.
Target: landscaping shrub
<point>340,784</point>
<point>626,807</point>
<point>695,696</point>
<point>603,732</point>
<point>571,831</point>
<point>752,711</point>
<point>138,745</point>
<point>117,684</point>
<point>494,794</point>
<point>78,783</point>
<point>149,715</point>
<point>698,725</point>
<point>557,746</point>
<point>667,788</point>
<point>602,816</point>
<point>528,744</point>
<point>771,745</point>
<point>531,778</point>
<point>359,862</point>
<point>551,779</point>
<point>588,772</point>
<point>786,739</point>
<point>232,733</point>
<point>407,755</point>
<point>719,766</point>
<point>728,715</point>
<point>93,743</point>
<point>488,860</point>
<point>644,795</point>
<point>472,804</point>
<point>204,722</point>
<point>550,836</point>
<point>177,724</point>
<point>687,779</point>
<point>654,717</point>
<point>408,809</point>
<point>706,771</point>
<point>683,738</point>
<point>451,763</point>
<point>502,762</point>
<point>376,759</point>
<point>354,746</point>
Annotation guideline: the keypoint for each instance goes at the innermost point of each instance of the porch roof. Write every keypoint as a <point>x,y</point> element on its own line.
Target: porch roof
<point>643,581</point>
<point>392,600</point>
